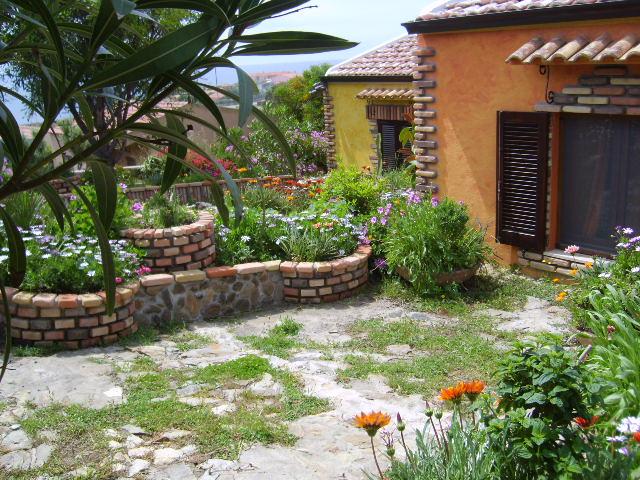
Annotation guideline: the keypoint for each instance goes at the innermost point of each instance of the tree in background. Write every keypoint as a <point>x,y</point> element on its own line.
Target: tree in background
<point>296,99</point>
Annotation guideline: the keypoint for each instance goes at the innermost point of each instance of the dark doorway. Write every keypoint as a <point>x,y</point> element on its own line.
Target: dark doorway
<point>600,180</point>
<point>393,155</point>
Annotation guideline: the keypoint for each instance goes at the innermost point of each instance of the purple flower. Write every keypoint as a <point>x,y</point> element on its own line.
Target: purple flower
<point>137,207</point>
<point>374,220</point>
<point>124,187</point>
<point>413,197</point>
<point>435,202</point>
<point>383,221</point>
<point>380,263</point>
<point>229,149</point>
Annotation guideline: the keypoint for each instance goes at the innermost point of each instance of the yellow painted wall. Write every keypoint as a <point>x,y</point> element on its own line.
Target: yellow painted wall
<point>353,139</point>
<point>473,83</point>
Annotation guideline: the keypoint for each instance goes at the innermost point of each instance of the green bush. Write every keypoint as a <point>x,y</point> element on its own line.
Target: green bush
<point>309,245</point>
<point>166,211</point>
<point>27,209</point>
<point>152,170</point>
<point>83,222</point>
<point>359,190</point>
<point>429,237</point>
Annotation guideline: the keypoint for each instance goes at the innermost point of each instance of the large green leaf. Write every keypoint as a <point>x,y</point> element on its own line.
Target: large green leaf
<point>104,25</point>
<point>262,11</point>
<point>56,204</point>
<point>85,111</point>
<point>104,180</point>
<point>289,43</point>
<point>108,266</point>
<point>205,6</point>
<point>217,195</point>
<point>159,57</point>
<point>7,328</point>
<point>163,132</point>
<point>268,123</point>
<point>173,168</point>
<point>10,133</point>
<point>17,252</point>
<point>193,89</point>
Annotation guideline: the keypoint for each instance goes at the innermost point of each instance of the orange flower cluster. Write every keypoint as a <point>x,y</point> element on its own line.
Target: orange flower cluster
<point>561,297</point>
<point>294,189</point>
<point>584,423</point>
<point>372,422</point>
<point>471,389</point>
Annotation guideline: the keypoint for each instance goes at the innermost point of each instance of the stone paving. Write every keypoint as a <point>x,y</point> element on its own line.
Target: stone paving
<point>328,446</point>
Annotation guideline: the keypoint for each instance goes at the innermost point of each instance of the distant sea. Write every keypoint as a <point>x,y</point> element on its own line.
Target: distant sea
<point>223,76</point>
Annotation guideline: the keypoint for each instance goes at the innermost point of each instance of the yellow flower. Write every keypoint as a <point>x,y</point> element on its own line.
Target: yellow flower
<point>574,272</point>
<point>561,296</point>
<point>556,280</point>
<point>589,264</point>
<point>372,422</point>
<point>242,170</point>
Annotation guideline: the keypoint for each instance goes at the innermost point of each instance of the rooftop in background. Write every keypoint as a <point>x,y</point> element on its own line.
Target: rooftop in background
<point>460,15</point>
<point>465,8</point>
<point>392,59</point>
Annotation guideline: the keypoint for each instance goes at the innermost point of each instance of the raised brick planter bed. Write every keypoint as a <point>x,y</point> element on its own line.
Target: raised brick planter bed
<point>72,321</point>
<point>188,247</point>
<point>322,282</point>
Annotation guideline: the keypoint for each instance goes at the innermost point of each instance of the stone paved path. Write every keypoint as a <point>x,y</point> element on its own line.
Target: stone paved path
<point>328,446</point>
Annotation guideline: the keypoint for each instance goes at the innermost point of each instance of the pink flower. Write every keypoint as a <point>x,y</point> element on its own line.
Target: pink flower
<point>572,249</point>
<point>119,280</point>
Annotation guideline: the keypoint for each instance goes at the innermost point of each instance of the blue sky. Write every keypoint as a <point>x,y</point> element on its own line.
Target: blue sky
<point>368,22</point>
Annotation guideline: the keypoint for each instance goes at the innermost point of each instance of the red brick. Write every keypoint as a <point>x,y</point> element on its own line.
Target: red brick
<point>291,292</point>
<point>171,252</point>
<point>163,262</point>
<point>625,100</point>
<point>633,111</point>
<point>205,243</point>
<point>288,267</point>
<point>68,301</point>
<point>90,342</point>
<point>116,327</point>
<point>331,298</point>
<point>54,335</point>
<point>162,243</point>
<point>65,323</point>
<point>27,312</point>
<point>192,247</point>
<point>180,241</point>
<point>100,331</point>
<point>77,334</point>
<point>182,259</point>
<point>221,272</point>
<point>30,335</point>
<point>609,90</point>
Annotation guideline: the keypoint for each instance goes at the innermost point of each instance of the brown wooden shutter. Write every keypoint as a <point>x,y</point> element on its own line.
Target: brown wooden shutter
<point>523,154</point>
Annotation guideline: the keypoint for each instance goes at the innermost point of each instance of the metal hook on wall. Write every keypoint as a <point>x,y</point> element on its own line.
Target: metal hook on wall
<point>548,95</point>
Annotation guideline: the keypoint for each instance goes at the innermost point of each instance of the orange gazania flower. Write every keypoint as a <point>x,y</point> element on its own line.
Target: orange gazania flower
<point>589,265</point>
<point>372,422</point>
<point>584,423</point>
<point>474,388</point>
<point>453,394</point>
<point>561,296</point>
<point>636,437</point>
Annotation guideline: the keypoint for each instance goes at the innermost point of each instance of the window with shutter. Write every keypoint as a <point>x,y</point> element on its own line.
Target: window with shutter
<point>390,136</point>
<point>523,153</point>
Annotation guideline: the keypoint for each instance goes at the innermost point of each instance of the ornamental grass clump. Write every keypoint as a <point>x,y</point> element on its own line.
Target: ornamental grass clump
<point>431,237</point>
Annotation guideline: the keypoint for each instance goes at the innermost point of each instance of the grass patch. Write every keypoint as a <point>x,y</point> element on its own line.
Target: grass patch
<point>174,331</point>
<point>502,289</point>
<point>279,341</point>
<point>443,353</point>
<point>152,403</point>
<point>35,351</point>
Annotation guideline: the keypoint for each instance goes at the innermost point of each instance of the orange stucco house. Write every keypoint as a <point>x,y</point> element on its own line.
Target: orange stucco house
<point>529,111</point>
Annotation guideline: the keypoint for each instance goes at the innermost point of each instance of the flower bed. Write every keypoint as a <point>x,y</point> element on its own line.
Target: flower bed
<point>70,320</point>
<point>188,247</point>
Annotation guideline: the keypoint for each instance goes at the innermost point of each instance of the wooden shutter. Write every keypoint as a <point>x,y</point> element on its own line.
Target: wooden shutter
<point>523,154</point>
<point>390,141</point>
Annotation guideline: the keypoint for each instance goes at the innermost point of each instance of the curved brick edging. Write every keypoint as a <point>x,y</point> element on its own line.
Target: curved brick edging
<point>224,291</point>
<point>323,282</point>
<point>189,247</point>
<point>70,320</point>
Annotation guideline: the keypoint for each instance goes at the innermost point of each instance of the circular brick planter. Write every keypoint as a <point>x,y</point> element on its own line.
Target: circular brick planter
<point>69,320</point>
<point>323,282</point>
<point>188,247</point>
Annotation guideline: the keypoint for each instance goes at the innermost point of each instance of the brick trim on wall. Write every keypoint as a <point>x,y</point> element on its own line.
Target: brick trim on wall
<point>610,90</point>
<point>425,145</point>
<point>329,128</point>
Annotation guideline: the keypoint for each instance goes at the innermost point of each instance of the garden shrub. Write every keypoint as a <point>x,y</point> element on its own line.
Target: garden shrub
<point>166,211</point>
<point>27,209</point>
<point>83,222</point>
<point>152,170</point>
<point>360,190</point>
<point>428,238</point>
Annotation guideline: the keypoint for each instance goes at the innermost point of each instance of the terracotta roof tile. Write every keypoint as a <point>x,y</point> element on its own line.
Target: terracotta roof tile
<point>602,49</point>
<point>387,94</point>
<point>396,58</point>
<point>465,8</point>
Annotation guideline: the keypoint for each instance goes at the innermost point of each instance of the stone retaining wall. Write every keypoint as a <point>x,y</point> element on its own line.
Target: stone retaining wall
<point>72,321</point>
<point>188,247</point>
<point>79,321</point>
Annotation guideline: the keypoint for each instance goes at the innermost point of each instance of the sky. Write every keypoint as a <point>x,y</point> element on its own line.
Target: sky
<point>368,22</point>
